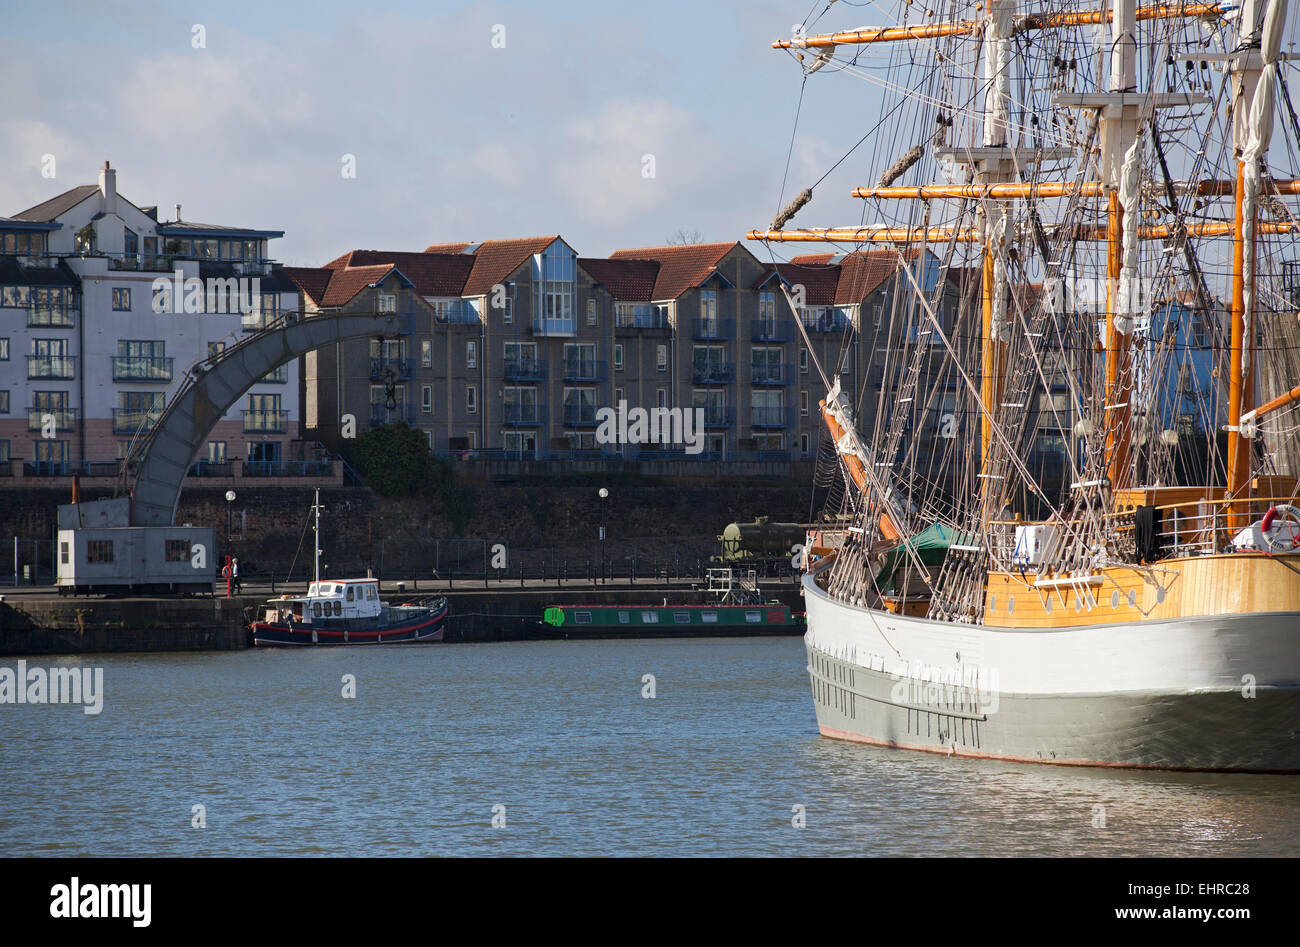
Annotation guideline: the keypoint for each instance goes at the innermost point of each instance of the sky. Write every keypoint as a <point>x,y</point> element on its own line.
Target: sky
<point>454,138</point>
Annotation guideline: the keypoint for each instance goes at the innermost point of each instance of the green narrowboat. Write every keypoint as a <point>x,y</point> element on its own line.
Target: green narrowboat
<point>669,621</point>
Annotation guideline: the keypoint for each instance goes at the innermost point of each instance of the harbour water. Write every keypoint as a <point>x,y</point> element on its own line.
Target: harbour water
<point>439,737</point>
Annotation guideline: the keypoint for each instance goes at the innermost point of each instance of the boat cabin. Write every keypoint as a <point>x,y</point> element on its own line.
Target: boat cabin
<point>335,599</point>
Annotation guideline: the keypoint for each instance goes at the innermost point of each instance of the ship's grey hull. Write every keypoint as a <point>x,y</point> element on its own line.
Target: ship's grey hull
<point>1207,731</point>
<point>1214,692</point>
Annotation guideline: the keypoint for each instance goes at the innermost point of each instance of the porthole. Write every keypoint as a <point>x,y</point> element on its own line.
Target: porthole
<point>1047,606</point>
<point>1160,594</point>
<point>1114,599</point>
<point>993,603</point>
<point>1011,604</point>
<point>1132,598</point>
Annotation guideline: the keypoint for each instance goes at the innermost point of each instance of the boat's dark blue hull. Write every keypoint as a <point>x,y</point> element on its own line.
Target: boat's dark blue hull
<point>428,627</point>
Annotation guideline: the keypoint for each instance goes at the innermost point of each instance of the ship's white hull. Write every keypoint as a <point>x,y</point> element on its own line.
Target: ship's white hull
<point>1210,693</point>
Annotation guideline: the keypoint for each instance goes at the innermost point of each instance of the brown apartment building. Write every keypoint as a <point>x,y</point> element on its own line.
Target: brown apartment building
<point>517,348</point>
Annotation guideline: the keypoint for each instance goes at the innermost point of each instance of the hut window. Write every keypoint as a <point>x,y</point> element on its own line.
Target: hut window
<point>316,609</point>
<point>582,618</point>
<point>624,618</point>
<point>351,594</point>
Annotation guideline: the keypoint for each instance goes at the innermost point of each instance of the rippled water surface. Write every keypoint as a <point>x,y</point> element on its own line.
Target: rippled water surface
<point>560,735</point>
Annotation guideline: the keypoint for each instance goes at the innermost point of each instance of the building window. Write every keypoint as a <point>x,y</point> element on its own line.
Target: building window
<point>471,399</point>
<point>4,452</point>
<point>4,401</point>
<point>471,353</point>
<point>426,354</point>
<point>508,313</point>
<point>387,302</point>
<point>661,397</point>
<point>426,399</point>
<point>4,350</point>
<point>618,356</point>
<point>803,444</point>
<point>591,312</point>
<point>121,300</point>
<point>619,395</point>
<point>177,550</point>
<point>472,438</point>
<point>216,452</point>
<point>661,358</point>
<point>215,349</point>
<point>803,402</point>
<point>803,361</point>
<point>99,550</point>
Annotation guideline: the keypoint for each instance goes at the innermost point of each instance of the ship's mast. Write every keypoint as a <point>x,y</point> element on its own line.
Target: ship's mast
<point>1119,130</point>
<point>316,534</point>
<point>1246,67</point>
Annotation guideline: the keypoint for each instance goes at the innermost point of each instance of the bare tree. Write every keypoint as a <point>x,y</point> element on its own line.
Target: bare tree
<point>682,237</point>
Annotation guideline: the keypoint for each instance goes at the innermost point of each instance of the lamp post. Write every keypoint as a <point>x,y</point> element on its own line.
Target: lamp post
<point>600,561</point>
<point>230,509</point>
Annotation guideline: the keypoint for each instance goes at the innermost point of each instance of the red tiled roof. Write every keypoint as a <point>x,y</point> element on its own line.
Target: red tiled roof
<point>336,285</point>
<point>626,280</point>
<point>350,280</point>
<point>434,274</point>
<point>312,280</point>
<point>447,247</point>
<point>494,260</point>
<point>861,272</point>
<point>818,280</point>
<point>680,267</point>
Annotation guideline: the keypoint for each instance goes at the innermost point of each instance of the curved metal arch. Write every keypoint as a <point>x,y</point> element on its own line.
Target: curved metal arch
<point>184,426</point>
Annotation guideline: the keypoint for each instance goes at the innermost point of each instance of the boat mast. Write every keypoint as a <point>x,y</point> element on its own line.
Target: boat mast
<point>998,167</point>
<point>316,534</point>
<point>1119,172</point>
<point>1246,67</point>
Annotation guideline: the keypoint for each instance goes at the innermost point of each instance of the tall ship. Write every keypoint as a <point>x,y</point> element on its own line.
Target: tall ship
<point>1062,521</point>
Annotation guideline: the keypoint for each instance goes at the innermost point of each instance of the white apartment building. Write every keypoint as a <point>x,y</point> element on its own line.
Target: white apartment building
<point>87,360</point>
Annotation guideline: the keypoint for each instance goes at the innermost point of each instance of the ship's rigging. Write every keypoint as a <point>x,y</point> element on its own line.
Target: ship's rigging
<point>1095,284</point>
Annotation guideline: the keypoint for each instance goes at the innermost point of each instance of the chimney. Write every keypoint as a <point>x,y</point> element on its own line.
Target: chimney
<point>108,188</point>
<point>178,213</point>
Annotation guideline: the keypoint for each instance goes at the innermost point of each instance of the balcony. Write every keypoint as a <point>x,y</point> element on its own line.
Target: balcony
<point>400,368</point>
<point>212,468</point>
<point>141,368</point>
<point>400,413</point>
<point>288,468</point>
<point>827,321</point>
<point>645,318</point>
<point>713,373</point>
<point>525,369</point>
<point>555,325</point>
<point>458,313</point>
<point>65,419</point>
<point>713,328</point>
<point>71,468</point>
<point>524,415</point>
<point>580,415</point>
<point>272,421</point>
<point>771,417</point>
<point>135,420</point>
<point>716,415</point>
<point>51,317</point>
<point>51,366</point>
<point>769,373</point>
<point>583,369</point>
<point>769,330</point>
